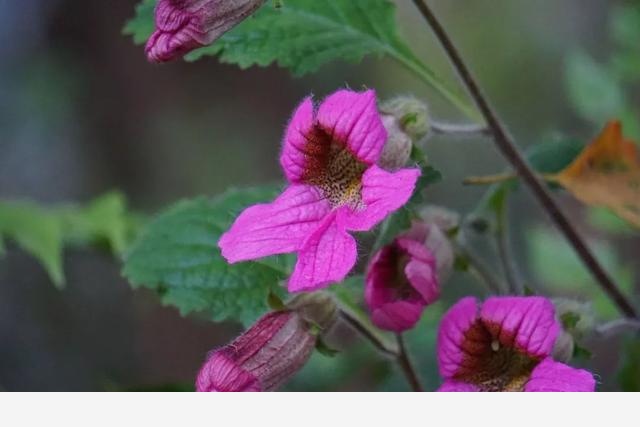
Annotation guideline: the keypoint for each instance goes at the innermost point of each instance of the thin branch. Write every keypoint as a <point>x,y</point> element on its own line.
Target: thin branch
<point>366,333</point>
<point>489,179</point>
<point>458,129</point>
<point>399,354</point>
<point>478,268</point>
<point>504,251</point>
<point>508,149</point>
<point>616,326</point>
<point>406,365</point>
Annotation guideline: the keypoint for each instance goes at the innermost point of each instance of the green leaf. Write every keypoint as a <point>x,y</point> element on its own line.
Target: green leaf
<point>555,154</point>
<point>303,35</point>
<point>323,348</point>
<point>629,374</point>
<point>141,25</point>
<point>37,232</point>
<point>44,231</point>
<point>593,90</point>
<point>177,256</point>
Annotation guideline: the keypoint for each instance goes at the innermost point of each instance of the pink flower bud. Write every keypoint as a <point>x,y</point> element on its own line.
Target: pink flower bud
<point>400,282</point>
<point>262,358</point>
<point>184,25</point>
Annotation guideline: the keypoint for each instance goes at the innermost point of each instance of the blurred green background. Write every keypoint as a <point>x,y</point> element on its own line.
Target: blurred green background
<point>83,113</point>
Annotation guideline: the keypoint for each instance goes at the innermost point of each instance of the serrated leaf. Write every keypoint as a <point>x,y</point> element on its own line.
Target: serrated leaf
<point>177,255</point>
<point>141,25</point>
<point>303,35</point>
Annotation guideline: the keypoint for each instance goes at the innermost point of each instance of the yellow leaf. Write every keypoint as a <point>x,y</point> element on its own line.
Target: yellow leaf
<point>606,173</point>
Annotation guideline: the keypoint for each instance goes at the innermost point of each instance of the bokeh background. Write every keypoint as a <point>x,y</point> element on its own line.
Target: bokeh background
<point>83,113</point>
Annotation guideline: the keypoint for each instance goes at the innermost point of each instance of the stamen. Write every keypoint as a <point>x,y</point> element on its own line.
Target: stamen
<point>495,345</point>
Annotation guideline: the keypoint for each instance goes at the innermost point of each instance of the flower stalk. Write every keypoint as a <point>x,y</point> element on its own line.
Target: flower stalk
<point>507,147</point>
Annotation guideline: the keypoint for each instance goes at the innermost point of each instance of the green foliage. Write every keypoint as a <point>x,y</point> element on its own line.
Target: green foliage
<point>629,374</point>
<point>177,256</point>
<point>554,154</point>
<point>43,232</point>
<point>141,25</point>
<point>303,35</point>
<point>306,34</point>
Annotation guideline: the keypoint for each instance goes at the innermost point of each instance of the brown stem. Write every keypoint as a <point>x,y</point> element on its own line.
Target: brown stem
<point>366,333</point>
<point>406,365</point>
<point>400,355</point>
<point>508,149</point>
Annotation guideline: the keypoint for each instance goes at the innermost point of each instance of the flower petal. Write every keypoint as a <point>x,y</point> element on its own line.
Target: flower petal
<point>451,385</point>
<point>221,373</point>
<point>550,375</point>
<point>397,316</point>
<point>294,157</point>
<point>451,332</point>
<point>326,256</point>
<point>353,118</point>
<point>382,193</point>
<point>530,322</point>
<point>420,270</point>
<point>277,227</point>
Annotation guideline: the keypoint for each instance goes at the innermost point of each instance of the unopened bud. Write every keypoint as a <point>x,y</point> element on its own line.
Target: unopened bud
<point>317,308</point>
<point>444,218</point>
<point>563,348</point>
<point>401,281</point>
<point>435,239</point>
<point>184,25</point>
<point>576,317</point>
<point>262,358</point>
<point>397,149</point>
<point>411,113</point>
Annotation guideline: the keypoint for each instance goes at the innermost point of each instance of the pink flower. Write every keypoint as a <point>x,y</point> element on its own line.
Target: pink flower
<point>329,158</point>
<point>262,358</point>
<point>401,281</point>
<point>184,25</point>
<point>504,345</point>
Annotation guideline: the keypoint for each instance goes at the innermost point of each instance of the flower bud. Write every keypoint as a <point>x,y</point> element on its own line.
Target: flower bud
<point>262,358</point>
<point>563,347</point>
<point>438,244</point>
<point>444,218</point>
<point>184,25</point>
<point>317,308</point>
<point>576,317</point>
<point>411,113</point>
<point>401,281</point>
<point>397,149</point>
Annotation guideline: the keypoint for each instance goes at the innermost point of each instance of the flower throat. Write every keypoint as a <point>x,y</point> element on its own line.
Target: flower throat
<point>332,168</point>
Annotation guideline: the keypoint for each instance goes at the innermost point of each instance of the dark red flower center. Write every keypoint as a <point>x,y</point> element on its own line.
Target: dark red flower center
<point>492,360</point>
<point>332,168</point>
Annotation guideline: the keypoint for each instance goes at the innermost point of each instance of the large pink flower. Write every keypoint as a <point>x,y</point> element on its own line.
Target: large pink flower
<point>329,158</point>
<point>504,345</point>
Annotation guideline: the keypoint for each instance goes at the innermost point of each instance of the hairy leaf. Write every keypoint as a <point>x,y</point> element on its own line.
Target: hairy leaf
<point>141,25</point>
<point>178,257</point>
<point>304,35</point>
